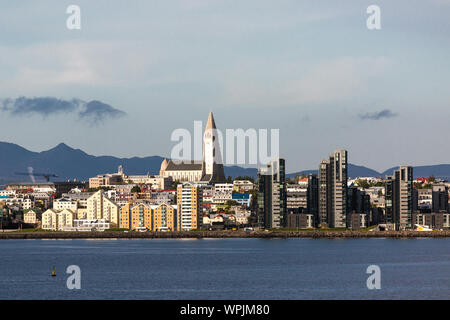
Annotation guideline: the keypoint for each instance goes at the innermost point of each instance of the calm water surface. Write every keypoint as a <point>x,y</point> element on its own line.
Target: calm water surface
<point>226,268</point>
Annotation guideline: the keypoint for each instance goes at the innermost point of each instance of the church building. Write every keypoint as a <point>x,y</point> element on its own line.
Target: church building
<point>209,170</point>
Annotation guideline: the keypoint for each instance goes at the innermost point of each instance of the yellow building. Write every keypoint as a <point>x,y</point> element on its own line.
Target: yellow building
<point>152,217</point>
<point>50,220</point>
<point>164,217</point>
<point>189,206</point>
<point>30,217</point>
<point>100,207</point>
<point>136,215</point>
<point>57,220</point>
<point>65,219</point>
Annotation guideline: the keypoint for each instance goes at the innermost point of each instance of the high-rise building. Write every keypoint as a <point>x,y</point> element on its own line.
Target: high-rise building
<point>296,198</point>
<point>333,190</point>
<point>324,194</point>
<point>189,206</point>
<point>440,198</point>
<point>399,202</point>
<point>358,201</point>
<point>312,194</point>
<point>272,210</point>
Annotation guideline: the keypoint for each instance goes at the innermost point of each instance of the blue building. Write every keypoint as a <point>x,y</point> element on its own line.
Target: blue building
<point>242,198</point>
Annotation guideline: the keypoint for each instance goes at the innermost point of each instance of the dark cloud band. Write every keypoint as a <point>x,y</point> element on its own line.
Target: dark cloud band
<point>386,113</point>
<point>93,111</point>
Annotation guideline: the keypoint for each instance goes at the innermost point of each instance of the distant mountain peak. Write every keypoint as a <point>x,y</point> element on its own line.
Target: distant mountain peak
<point>60,148</point>
<point>62,145</point>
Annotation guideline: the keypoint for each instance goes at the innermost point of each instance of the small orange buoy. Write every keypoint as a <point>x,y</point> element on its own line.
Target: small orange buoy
<point>53,272</point>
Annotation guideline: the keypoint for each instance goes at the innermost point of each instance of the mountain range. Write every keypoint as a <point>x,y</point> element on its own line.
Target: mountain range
<point>69,163</point>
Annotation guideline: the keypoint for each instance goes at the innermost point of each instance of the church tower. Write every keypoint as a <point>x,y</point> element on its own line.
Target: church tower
<point>212,167</point>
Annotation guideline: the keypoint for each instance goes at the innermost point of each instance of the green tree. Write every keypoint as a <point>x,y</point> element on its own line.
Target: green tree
<point>230,203</point>
<point>174,184</point>
<point>245,178</point>
<point>135,189</point>
<point>362,183</point>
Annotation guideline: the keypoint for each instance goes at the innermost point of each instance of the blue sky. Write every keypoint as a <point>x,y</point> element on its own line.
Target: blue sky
<point>310,68</point>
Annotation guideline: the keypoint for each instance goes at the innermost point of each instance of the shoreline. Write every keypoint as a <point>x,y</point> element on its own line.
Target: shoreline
<point>224,235</point>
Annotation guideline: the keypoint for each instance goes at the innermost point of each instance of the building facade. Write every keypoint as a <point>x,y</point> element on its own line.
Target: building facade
<point>333,190</point>
<point>189,207</point>
<point>100,207</point>
<point>399,202</point>
<point>272,202</point>
<point>209,170</point>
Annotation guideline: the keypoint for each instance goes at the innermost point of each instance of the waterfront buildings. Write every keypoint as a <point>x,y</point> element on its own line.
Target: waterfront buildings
<point>358,202</point>
<point>312,201</point>
<point>87,225</point>
<point>57,220</point>
<point>30,217</point>
<point>189,206</point>
<point>333,190</point>
<point>300,221</point>
<point>296,197</point>
<point>151,217</point>
<point>399,202</point>
<point>272,209</point>
<point>434,220</point>
<point>100,207</point>
<point>356,220</point>
<point>440,198</point>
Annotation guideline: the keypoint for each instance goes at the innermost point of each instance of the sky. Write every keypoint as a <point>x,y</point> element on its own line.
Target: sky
<point>138,70</point>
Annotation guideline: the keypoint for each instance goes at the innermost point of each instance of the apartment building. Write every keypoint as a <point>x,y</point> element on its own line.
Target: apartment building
<point>399,202</point>
<point>189,206</point>
<point>333,190</point>
<point>99,206</point>
<point>272,209</point>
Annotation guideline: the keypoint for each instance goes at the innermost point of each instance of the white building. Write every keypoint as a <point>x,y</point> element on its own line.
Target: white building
<point>65,203</point>
<point>57,220</point>
<point>50,220</point>
<point>30,217</point>
<point>100,207</point>
<point>222,193</point>
<point>21,201</point>
<point>242,185</point>
<point>88,225</point>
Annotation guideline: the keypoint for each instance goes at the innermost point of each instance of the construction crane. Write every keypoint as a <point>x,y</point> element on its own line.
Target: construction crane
<point>47,176</point>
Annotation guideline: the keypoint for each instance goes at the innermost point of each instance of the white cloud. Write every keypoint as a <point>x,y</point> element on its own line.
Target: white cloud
<point>53,65</point>
<point>335,81</point>
<point>325,82</point>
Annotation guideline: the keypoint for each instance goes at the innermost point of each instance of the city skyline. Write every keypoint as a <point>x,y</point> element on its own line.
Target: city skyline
<point>306,68</point>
